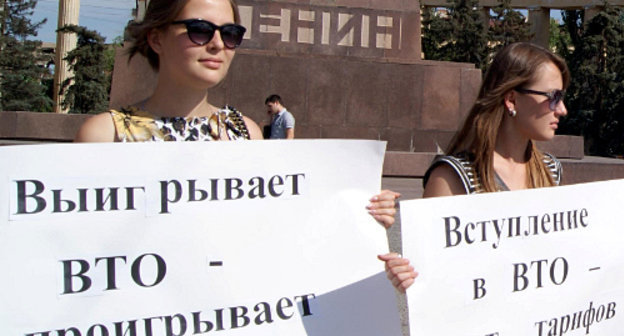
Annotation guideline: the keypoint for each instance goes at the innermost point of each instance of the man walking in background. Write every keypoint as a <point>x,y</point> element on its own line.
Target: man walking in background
<point>282,121</point>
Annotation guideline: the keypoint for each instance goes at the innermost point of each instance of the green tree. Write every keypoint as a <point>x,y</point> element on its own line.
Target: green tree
<point>109,53</point>
<point>458,36</point>
<point>558,36</point>
<point>22,68</point>
<point>87,91</point>
<point>507,26</point>
<point>436,27</point>
<point>572,31</point>
<point>595,97</point>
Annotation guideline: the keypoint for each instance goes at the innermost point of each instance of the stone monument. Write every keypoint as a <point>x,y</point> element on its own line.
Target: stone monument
<point>345,68</point>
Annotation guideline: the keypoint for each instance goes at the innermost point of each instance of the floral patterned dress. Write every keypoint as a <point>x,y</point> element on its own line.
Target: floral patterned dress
<point>134,125</point>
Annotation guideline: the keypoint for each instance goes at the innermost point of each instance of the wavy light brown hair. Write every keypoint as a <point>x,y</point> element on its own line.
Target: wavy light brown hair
<point>514,66</point>
<point>159,14</point>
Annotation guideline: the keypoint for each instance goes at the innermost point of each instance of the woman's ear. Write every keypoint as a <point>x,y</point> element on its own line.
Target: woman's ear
<point>153,39</point>
<point>510,100</point>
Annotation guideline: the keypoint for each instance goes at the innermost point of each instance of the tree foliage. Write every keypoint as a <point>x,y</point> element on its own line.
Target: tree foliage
<point>109,53</point>
<point>87,90</point>
<point>458,36</point>
<point>558,37</point>
<point>595,97</point>
<point>434,33</point>
<point>22,69</point>
<point>466,33</point>
<point>507,26</point>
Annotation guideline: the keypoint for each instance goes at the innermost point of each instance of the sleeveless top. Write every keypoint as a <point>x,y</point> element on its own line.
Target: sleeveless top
<point>464,167</point>
<point>133,124</point>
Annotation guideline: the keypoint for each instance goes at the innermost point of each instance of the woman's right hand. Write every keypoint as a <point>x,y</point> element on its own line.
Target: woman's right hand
<point>383,207</point>
<point>399,270</point>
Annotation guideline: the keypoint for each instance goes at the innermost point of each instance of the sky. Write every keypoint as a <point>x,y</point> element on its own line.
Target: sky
<point>107,17</point>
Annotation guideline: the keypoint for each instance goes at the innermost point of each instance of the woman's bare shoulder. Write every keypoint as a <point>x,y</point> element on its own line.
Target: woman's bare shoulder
<point>99,128</point>
<point>254,130</point>
<point>443,181</point>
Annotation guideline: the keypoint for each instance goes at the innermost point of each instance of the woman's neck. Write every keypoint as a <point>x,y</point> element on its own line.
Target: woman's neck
<point>513,152</point>
<point>510,158</point>
<point>178,101</point>
<point>511,145</point>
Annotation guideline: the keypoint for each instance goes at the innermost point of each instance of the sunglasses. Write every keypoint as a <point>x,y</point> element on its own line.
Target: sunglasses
<point>554,97</point>
<point>201,32</point>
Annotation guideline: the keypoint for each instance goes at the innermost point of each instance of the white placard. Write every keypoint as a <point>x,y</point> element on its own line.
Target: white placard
<point>239,238</point>
<point>534,262</point>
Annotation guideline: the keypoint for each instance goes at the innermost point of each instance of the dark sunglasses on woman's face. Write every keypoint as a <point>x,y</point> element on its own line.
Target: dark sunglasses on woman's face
<point>554,97</point>
<point>201,32</point>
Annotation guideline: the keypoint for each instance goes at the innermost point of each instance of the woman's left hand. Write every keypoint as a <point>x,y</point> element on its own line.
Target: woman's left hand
<point>383,207</point>
<point>398,270</point>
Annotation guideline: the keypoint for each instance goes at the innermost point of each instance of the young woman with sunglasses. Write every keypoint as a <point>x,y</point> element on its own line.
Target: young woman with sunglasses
<point>191,44</point>
<point>520,102</point>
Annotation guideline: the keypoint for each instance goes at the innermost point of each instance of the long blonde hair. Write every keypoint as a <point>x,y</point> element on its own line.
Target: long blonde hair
<point>514,66</point>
